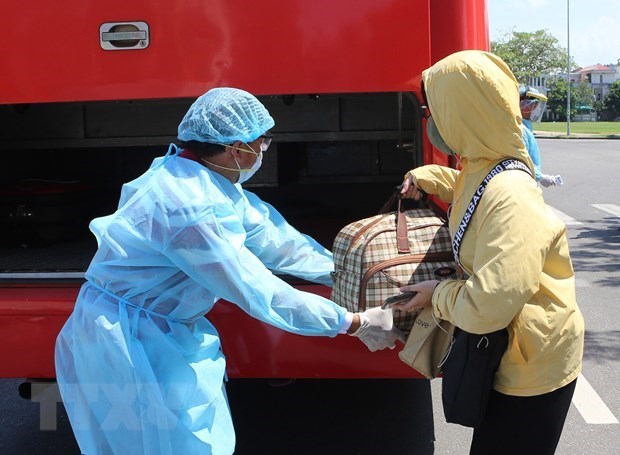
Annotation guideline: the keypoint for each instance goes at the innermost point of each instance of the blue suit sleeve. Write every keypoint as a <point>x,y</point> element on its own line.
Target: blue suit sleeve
<point>532,149</point>
<point>211,252</point>
<point>281,247</point>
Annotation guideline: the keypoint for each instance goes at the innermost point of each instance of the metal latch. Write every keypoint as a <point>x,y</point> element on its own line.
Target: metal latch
<point>122,36</point>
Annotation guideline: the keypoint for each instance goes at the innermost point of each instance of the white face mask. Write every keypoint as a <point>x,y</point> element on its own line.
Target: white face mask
<point>244,174</point>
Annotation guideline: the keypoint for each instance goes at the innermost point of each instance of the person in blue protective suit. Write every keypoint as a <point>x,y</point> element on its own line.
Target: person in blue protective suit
<point>140,369</point>
<point>533,104</point>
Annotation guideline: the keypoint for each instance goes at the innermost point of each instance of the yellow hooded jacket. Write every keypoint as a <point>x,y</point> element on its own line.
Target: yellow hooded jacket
<point>515,250</point>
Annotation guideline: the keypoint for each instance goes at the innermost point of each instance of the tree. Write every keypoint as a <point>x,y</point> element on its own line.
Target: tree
<point>584,97</point>
<point>612,100</point>
<point>531,54</point>
<point>557,99</point>
<point>601,112</point>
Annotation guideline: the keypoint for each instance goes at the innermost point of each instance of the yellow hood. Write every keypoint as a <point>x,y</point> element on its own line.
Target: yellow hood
<point>468,91</point>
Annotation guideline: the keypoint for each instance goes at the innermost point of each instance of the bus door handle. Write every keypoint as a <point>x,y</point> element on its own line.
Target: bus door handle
<point>121,36</point>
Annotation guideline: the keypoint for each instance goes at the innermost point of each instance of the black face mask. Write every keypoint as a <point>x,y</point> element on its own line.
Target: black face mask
<point>436,139</point>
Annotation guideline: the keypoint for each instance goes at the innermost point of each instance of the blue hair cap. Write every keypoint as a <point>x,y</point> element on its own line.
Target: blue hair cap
<point>225,115</point>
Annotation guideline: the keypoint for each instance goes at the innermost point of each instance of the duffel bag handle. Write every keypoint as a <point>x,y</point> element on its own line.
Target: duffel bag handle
<point>391,202</point>
<point>402,237</point>
<point>396,196</point>
<point>402,234</point>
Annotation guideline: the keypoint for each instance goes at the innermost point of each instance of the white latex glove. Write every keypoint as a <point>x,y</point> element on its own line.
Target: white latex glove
<point>551,180</point>
<point>377,329</point>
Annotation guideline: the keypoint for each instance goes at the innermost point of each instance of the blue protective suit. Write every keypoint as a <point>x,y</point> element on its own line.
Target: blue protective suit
<point>140,368</point>
<point>532,147</point>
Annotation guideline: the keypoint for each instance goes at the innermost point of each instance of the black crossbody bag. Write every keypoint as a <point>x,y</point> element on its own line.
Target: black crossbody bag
<point>469,369</point>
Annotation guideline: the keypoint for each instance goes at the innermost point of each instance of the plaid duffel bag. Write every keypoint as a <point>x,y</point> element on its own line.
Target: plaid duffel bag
<point>375,256</point>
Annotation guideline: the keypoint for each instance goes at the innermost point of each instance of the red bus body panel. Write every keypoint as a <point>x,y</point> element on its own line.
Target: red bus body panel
<point>458,25</point>
<point>31,317</point>
<point>266,47</point>
<point>52,53</point>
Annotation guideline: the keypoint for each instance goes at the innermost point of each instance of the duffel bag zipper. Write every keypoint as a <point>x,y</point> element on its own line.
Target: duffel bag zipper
<point>369,239</point>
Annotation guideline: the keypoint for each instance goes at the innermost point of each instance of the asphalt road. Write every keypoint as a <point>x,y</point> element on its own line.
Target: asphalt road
<point>396,417</point>
<point>591,197</point>
<point>302,417</point>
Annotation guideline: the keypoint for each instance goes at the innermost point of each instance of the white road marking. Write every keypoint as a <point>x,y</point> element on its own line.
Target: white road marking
<point>589,404</point>
<point>569,221</point>
<point>609,208</point>
<point>581,283</point>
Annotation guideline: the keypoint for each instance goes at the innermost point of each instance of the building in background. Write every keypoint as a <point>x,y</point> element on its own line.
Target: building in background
<point>598,77</point>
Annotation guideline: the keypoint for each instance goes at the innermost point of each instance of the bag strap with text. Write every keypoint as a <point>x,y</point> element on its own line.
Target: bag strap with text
<point>505,165</point>
<point>502,166</point>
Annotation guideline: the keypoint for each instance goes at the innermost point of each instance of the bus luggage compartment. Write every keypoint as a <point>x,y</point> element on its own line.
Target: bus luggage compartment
<point>335,159</point>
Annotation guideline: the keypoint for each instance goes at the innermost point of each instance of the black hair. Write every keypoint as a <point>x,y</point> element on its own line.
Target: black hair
<point>202,149</point>
<point>523,89</point>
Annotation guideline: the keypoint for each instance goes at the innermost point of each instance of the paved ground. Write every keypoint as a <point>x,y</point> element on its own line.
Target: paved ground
<point>547,134</point>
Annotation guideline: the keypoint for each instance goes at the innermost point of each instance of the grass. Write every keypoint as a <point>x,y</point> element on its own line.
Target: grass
<point>603,128</point>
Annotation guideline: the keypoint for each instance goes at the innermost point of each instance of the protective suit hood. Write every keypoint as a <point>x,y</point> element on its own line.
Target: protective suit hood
<point>467,92</point>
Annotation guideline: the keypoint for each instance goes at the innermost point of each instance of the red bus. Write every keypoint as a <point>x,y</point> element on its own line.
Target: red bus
<point>91,91</point>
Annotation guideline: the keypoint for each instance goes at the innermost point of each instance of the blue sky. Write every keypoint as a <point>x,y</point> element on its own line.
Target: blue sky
<point>594,25</point>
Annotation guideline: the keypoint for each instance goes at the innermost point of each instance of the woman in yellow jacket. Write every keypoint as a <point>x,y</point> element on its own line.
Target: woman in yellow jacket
<point>514,254</point>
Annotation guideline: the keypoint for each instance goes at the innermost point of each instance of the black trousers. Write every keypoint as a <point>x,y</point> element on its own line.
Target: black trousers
<point>520,425</point>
